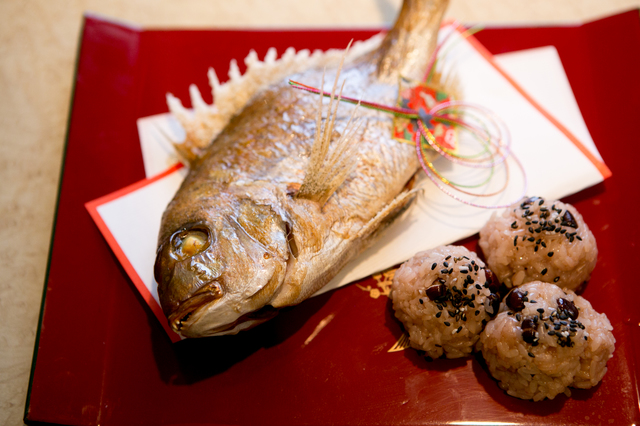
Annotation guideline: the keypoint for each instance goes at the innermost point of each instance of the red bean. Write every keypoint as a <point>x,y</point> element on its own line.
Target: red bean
<point>529,335</point>
<point>568,308</point>
<point>515,300</point>
<point>492,282</point>
<point>529,323</point>
<point>493,301</point>
<point>437,291</point>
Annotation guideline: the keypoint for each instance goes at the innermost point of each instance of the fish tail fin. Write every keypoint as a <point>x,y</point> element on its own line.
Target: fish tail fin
<point>406,49</point>
<point>326,170</point>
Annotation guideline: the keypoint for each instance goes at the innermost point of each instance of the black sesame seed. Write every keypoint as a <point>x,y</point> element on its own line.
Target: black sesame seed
<point>578,237</point>
<point>434,266</point>
<point>550,254</point>
<point>531,355</point>
<point>439,314</point>
<point>543,244</point>
<point>447,323</point>
<point>556,279</point>
<point>532,239</point>
<point>535,248</point>
<point>446,264</point>
<point>515,240</point>
<point>544,271</point>
<point>551,333</point>
<point>421,302</point>
<point>477,312</point>
<point>540,310</point>
<point>518,317</point>
<point>514,225</point>
<point>459,329</point>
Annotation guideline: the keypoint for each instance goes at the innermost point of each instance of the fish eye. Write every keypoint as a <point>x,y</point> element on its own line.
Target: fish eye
<point>189,242</point>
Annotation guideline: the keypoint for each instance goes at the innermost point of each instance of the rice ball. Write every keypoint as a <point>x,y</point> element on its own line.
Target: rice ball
<point>444,297</point>
<point>545,340</point>
<point>539,240</point>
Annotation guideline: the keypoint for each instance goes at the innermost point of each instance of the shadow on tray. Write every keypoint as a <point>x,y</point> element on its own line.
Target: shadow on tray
<point>193,360</point>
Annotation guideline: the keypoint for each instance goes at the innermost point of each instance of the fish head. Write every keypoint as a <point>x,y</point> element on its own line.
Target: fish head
<point>219,266</point>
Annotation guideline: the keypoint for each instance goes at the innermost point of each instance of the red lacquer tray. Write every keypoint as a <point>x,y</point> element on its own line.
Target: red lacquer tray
<point>102,358</point>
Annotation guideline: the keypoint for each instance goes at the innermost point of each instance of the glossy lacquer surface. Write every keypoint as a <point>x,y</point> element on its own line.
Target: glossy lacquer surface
<point>102,358</point>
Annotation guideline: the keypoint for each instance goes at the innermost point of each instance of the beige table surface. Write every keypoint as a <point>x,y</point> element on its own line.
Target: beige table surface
<point>38,41</point>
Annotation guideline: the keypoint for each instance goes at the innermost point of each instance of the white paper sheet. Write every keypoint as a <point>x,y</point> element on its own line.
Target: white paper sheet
<point>554,165</point>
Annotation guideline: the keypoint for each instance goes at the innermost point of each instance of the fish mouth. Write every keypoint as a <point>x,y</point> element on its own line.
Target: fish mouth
<point>208,293</point>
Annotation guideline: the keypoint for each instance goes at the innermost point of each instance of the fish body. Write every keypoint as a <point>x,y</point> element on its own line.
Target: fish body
<point>282,199</point>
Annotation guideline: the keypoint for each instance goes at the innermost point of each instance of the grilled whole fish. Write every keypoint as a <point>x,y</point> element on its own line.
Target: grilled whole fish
<point>282,198</point>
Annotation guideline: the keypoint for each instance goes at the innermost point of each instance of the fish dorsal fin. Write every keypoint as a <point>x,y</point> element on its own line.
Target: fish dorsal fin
<point>327,169</point>
<point>407,47</point>
<point>205,122</point>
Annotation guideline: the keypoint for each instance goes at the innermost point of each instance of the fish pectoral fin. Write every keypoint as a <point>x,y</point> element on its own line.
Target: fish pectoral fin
<point>327,169</point>
<point>387,215</point>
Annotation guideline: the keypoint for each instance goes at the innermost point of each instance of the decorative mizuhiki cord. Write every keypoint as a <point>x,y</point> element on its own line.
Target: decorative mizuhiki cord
<point>490,133</point>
